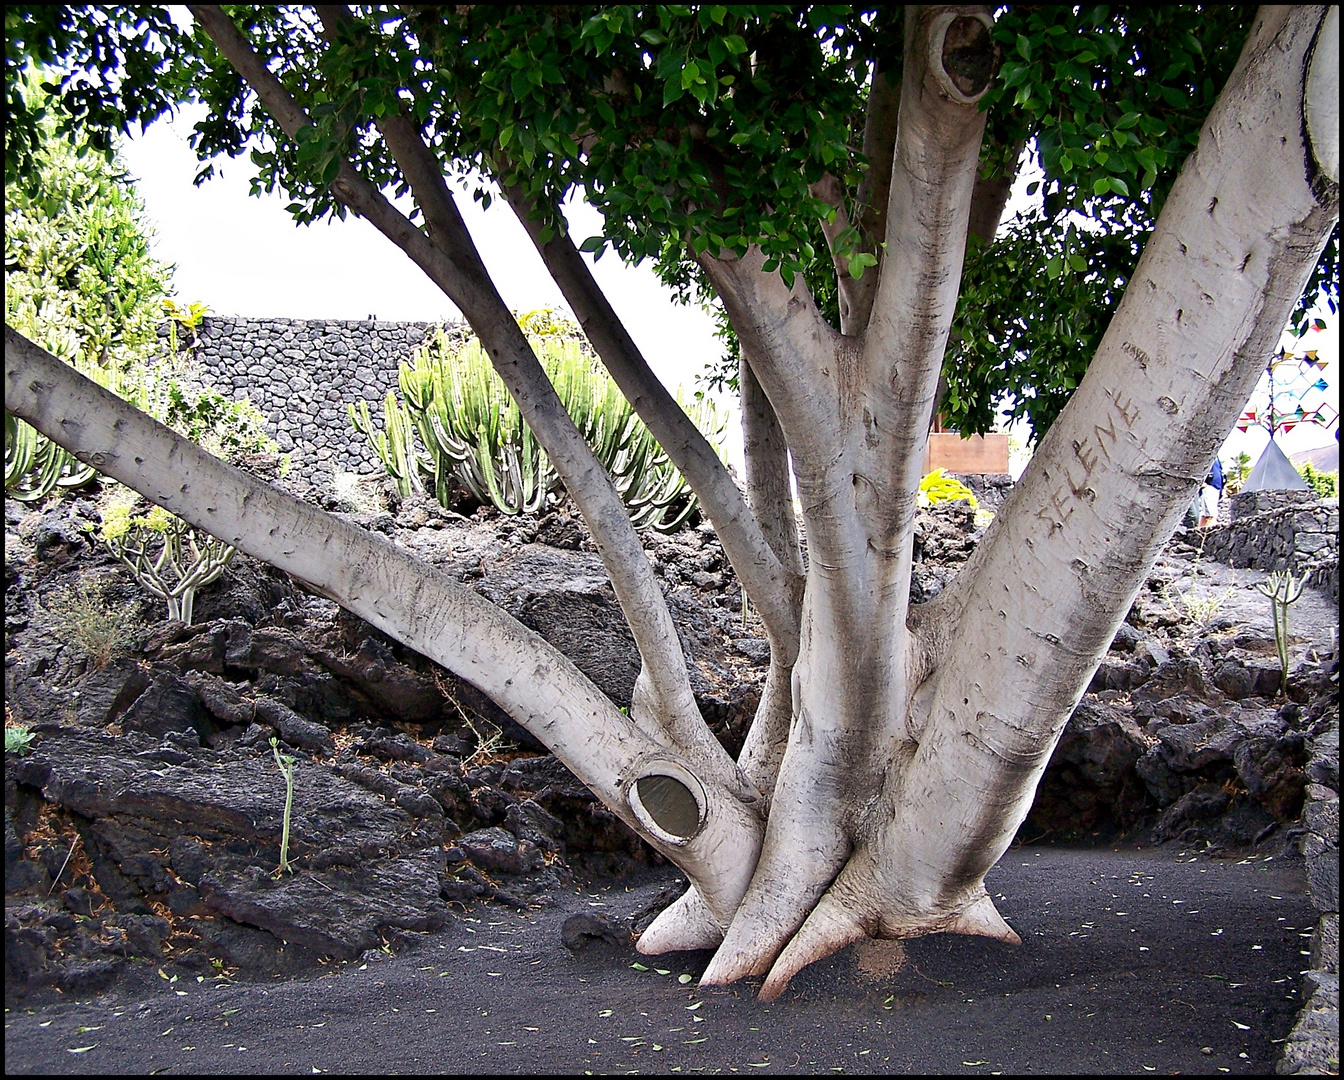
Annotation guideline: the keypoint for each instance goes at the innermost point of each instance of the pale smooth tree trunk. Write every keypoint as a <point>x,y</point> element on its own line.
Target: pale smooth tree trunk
<point>963,714</point>
<point>897,748</point>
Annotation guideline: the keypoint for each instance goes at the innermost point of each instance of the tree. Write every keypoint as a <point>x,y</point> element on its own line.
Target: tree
<point>897,747</point>
<point>79,276</point>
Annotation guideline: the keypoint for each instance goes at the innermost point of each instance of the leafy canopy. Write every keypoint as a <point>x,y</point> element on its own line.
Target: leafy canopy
<point>80,279</point>
<point>699,128</point>
<point>82,282</point>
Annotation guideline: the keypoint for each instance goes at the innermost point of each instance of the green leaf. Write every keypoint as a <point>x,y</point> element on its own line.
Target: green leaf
<point>1101,186</point>
<point>593,243</point>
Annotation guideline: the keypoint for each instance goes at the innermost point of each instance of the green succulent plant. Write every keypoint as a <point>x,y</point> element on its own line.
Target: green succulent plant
<point>1283,590</point>
<point>166,555</point>
<point>454,419</point>
<point>938,487</point>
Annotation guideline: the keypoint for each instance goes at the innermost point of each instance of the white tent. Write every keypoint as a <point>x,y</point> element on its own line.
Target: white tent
<point>1274,472</point>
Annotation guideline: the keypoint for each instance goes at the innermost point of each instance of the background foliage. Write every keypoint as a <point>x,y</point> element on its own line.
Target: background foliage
<point>82,282</point>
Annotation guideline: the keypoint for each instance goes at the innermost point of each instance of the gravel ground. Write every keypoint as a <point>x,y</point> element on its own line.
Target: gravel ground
<point>1134,960</point>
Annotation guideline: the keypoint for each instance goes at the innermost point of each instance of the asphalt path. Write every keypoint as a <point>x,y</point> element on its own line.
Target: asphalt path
<point>1133,960</point>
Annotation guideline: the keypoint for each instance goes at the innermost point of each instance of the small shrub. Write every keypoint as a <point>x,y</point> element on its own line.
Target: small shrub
<point>1324,484</point>
<point>357,493</point>
<point>1235,474</point>
<point>1283,591</point>
<point>82,615</point>
<point>938,487</point>
<point>167,556</point>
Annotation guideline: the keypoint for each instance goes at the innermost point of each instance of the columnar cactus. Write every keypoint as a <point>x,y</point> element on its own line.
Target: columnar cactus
<point>454,402</point>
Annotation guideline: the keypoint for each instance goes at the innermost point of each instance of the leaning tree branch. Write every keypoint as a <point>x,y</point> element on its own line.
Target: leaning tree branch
<point>403,596</point>
<point>664,667</point>
<point>770,583</point>
<point>452,262</point>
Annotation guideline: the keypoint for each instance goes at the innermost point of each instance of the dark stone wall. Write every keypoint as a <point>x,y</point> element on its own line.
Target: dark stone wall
<point>302,373</point>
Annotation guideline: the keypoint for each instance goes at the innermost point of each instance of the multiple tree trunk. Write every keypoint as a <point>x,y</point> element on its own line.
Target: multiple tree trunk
<point>897,747</point>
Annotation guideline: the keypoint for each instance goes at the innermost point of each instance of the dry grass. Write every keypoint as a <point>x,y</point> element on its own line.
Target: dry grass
<point>81,614</point>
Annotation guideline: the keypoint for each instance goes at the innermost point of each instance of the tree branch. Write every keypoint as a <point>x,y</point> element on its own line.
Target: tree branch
<point>934,170</point>
<point>989,197</point>
<point>766,578</point>
<point>879,143</point>
<point>767,460</point>
<point>792,347</point>
<point>408,599</point>
<point>856,294</point>
<point>452,262</point>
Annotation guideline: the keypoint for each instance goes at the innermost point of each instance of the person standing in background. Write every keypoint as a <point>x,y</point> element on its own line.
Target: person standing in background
<point>1209,495</point>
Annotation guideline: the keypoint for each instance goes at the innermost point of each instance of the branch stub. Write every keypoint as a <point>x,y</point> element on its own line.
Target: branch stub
<point>668,801</point>
<point>962,55</point>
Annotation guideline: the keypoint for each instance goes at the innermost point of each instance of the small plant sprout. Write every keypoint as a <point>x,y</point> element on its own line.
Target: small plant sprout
<point>286,765</point>
<point>1283,590</point>
<point>167,556</point>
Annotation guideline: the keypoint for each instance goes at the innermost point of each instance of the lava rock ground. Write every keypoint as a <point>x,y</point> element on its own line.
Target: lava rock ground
<point>143,830</point>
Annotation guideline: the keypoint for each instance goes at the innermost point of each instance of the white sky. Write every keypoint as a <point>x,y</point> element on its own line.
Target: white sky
<point>245,256</point>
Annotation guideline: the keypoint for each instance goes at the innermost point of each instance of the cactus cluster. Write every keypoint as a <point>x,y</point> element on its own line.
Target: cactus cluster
<point>34,465</point>
<point>454,419</point>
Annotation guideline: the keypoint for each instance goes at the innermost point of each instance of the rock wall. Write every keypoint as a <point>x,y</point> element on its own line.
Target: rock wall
<point>301,373</point>
<point>1247,504</point>
<point>1281,530</point>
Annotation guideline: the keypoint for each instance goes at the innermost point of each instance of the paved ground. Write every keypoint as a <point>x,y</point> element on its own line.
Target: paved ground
<point>1134,961</point>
